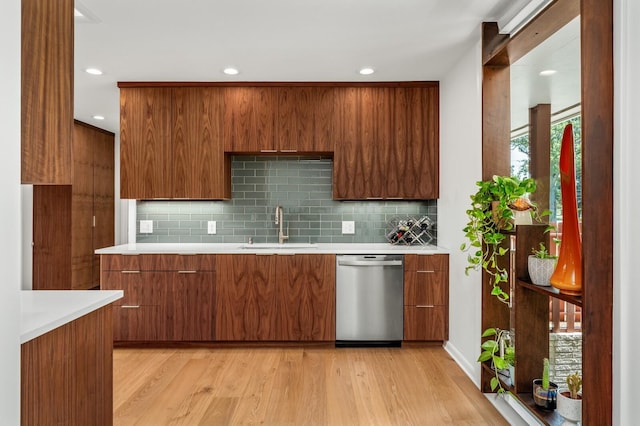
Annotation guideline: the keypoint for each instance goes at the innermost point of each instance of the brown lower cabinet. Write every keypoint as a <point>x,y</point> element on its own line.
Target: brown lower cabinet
<point>67,374</point>
<point>426,297</point>
<point>275,298</point>
<point>166,297</point>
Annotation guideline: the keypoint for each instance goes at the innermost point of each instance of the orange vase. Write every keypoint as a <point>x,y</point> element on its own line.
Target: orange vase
<point>567,276</point>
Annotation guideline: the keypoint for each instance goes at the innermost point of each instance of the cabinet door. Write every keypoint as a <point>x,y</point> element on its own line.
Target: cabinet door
<point>306,297</point>
<point>249,119</point>
<point>141,288</point>
<point>200,170</point>
<point>245,297</point>
<point>103,197</point>
<point>425,323</point>
<point>362,152</point>
<point>145,143</point>
<point>138,323</point>
<point>413,165</point>
<point>426,288</point>
<point>193,314</point>
<point>305,119</point>
<point>47,91</point>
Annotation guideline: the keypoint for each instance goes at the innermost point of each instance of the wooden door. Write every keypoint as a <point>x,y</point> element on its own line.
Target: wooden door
<point>82,209</point>
<point>200,170</point>
<point>249,119</point>
<point>306,297</point>
<point>145,143</point>
<point>425,323</point>
<point>103,197</point>
<point>47,91</point>
<point>192,316</point>
<point>305,119</point>
<point>245,297</point>
<point>413,166</point>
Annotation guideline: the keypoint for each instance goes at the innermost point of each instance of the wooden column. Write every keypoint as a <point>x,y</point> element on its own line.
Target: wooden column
<point>540,153</point>
<point>597,212</point>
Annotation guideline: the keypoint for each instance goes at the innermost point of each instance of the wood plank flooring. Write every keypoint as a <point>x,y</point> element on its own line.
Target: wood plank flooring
<point>295,386</point>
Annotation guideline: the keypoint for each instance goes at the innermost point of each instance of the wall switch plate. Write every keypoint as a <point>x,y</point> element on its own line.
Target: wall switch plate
<point>146,227</point>
<point>211,227</point>
<point>348,227</point>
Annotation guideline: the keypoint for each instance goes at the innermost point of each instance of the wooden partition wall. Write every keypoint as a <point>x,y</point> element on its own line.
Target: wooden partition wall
<point>597,180</point>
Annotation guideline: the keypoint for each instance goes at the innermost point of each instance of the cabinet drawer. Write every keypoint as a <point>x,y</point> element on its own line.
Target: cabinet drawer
<point>143,323</point>
<point>425,288</point>
<point>426,323</point>
<point>141,288</point>
<point>426,262</point>
<point>159,262</point>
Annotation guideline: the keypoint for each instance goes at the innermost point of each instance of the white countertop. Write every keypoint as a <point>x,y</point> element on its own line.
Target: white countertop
<point>45,310</point>
<point>288,248</point>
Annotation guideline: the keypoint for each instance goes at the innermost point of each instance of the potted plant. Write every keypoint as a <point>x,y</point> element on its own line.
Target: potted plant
<point>544,391</point>
<point>501,352</point>
<point>570,399</point>
<point>541,265</point>
<point>490,218</point>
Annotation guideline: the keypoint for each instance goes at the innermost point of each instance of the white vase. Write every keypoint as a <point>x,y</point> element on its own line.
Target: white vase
<point>570,409</point>
<point>540,270</point>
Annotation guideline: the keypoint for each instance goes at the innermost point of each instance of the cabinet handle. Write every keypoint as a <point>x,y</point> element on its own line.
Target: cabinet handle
<point>286,254</point>
<point>130,306</point>
<point>94,221</point>
<point>130,272</point>
<point>265,254</point>
<point>267,151</point>
<point>187,254</point>
<point>129,254</point>
<point>375,198</point>
<point>426,272</point>
<point>187,272</point>
<point>288,150</point>
<point>425,306</point>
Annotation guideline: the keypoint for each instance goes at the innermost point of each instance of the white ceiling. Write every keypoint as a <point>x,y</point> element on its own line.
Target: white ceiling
<point>278,40</point>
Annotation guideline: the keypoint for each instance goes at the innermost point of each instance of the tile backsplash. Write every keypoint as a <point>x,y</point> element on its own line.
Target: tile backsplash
<point>302,186</point>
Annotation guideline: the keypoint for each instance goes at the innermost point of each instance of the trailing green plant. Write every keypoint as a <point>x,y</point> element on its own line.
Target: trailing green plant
<point>545,374</point>
<point>574,383</point>
<point>489,218</point>
<point>500,352</point>
<point>542,252</point>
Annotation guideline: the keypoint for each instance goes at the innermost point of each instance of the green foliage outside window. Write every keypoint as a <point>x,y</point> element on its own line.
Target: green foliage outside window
<point>520,169</point>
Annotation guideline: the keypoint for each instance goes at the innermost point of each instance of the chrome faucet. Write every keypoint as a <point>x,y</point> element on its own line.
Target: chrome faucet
<point>279,221</point>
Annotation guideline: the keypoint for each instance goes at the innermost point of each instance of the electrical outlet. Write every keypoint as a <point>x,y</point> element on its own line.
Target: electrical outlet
<point>146,227</point>
<point>348,227</point>
<point>211,227</point>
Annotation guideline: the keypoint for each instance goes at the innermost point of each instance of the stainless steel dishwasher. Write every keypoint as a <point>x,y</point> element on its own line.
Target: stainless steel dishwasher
<point>369,300</point>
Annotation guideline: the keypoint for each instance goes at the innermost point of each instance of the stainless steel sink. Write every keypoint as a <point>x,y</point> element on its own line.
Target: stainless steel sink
<point>272,246</point>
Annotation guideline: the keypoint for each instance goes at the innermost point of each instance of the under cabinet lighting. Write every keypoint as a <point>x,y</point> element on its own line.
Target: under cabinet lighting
<point>366,71</point>
<point>547,73</point>
<point>98,117</point>
<point>231,71</point>
<point>93,71</point>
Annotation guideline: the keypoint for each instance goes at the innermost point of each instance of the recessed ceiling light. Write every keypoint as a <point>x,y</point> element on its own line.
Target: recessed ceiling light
<point>548,72</point>
<point>93,71</point>
<point>230,71</point>
<point>366,71</point>
<point>98,117</point>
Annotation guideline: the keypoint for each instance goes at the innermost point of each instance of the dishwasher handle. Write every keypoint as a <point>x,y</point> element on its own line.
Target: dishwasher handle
<point>369,262</point>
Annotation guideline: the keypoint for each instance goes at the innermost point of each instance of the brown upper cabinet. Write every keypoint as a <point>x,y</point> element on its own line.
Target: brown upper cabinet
<point>306,117</point>
<point>249,119</point>
<point>176,138</point>
<point>171,143</point>
<point>200,169</point>
<point>47,91</point>
<point>387,144</point>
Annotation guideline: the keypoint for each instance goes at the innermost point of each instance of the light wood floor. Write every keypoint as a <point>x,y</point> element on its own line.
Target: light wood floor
<point>295,386</point>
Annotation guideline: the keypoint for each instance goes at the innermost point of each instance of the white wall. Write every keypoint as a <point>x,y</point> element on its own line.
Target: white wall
<point>626,348</point>
<point>10,212</point>
<point>460,168</point>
